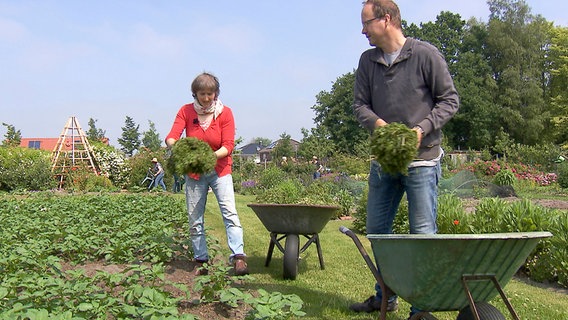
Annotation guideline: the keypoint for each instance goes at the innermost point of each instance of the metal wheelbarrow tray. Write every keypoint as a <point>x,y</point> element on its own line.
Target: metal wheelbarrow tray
<point>286,222</point>
<point>451,272</point>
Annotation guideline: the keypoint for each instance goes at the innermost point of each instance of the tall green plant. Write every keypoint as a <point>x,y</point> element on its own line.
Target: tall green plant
<point>25,169</point>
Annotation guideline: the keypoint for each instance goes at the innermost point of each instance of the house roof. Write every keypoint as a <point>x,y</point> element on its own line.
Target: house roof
<point>272,145</point>
<point>251,148</point>
<point>47,144</point>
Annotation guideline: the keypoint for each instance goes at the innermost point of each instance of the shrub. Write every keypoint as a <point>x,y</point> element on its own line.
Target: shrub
<point>25,169</point>
<point>287,191</point>
<point>112,164</point>
<point>504,177</point>
<point>271,177</point>
<point>349,164</point>
<point>541,155</point>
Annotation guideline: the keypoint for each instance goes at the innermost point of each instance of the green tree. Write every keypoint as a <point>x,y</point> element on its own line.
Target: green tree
<point>445,33</point>
<point>315,142</point>
<point>94,133</point>
<point>130,138</point>
<point>12,137</point>
<point>283,148</point>
<point>558,83</point>
<point>261,141</point>
<point>474,126</point>
<point>516,43</point>
<point>334,112</point>
<point>151,138</point>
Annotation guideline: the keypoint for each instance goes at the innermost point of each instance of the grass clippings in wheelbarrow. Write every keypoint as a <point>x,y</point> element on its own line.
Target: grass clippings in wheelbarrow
<point>191,155</point>
<point>394,146</point>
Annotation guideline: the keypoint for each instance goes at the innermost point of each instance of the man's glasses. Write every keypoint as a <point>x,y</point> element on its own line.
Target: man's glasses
<point>367,22</point>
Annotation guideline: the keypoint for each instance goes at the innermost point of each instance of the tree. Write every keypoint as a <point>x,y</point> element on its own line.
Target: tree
<point>558,83</point>
<point>130,138</point>
<point>334,112</point>
<point>95,134</point>
<point>445,33</point>
<point>261,141</point>
<point>474,125</point>
<point>12,137</point>
<point>283,148</point>
<point>516,45</point>
<point>151,138</point>
<point>315,142</point>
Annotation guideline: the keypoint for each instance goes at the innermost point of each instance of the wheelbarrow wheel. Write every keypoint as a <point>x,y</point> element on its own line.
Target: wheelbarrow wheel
<point>485,310</point>
<point>291,252</point>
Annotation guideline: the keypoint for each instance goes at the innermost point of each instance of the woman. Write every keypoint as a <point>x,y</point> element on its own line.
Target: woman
<point>209,120</point>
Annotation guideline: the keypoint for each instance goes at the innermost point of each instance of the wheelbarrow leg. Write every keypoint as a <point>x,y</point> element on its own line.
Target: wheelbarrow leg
<point>314,238</point>
<point>273,240</point>
<point>386,291</point>
<point>320,255</point>
<point>466,278</point>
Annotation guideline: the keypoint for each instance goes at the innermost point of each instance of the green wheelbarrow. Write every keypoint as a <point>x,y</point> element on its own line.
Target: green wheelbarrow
<point>448,272</point>
<point>286,222</point>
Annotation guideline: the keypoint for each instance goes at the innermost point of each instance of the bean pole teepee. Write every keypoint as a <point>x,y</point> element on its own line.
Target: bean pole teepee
<point>72,152</point>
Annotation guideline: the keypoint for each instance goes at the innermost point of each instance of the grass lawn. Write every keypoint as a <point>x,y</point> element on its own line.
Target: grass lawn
<point>346,278</point>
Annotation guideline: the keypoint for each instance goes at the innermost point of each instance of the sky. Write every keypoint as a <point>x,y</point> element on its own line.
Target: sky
<point>107,60</point>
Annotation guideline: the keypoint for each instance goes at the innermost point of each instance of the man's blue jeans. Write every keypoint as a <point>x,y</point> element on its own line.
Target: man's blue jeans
<point>385,194</point>
<point>196,198</point>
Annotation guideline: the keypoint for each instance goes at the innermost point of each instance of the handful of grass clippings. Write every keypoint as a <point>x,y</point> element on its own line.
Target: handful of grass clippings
<point>191,155</point>
<point>394,146</point>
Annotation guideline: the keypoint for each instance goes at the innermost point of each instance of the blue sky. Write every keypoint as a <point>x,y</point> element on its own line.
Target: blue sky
<point>110,59</point>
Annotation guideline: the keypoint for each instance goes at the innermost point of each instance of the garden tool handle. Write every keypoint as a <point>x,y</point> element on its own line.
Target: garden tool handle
<point>363,252</point>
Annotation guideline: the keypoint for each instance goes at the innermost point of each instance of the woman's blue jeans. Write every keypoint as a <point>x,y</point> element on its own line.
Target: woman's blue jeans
<point>386,191</point>
<point>196,198</point>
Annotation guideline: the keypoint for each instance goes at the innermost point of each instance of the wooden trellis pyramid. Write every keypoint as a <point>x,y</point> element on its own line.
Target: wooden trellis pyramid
<point>72,152</point>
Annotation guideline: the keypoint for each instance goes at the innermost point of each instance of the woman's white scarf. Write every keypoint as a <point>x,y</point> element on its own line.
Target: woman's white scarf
<point>216,108</point>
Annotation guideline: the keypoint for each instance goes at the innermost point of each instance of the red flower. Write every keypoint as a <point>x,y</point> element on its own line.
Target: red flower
<point>456,222</point>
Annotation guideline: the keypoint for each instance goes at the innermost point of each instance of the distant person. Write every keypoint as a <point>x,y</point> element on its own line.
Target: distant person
<point>178,183</point>
<point>158,171</point>
<point>209,120</point>
<point>407,81</point>
<point>318,168</point>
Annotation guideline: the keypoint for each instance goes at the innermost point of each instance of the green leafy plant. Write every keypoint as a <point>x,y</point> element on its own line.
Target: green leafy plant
<point>394,146</point>
<point>504,177</point>
<point>191,155</point>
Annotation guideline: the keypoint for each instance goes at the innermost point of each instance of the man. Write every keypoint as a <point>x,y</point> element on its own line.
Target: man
<point>158,174</point>
<point>402,80</point>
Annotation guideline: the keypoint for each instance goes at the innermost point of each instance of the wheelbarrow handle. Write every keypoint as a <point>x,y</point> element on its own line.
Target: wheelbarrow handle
<point>363,252</point>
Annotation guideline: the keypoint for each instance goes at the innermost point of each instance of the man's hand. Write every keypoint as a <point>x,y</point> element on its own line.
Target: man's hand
<point>380,122</point>
<point>419,134</point>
